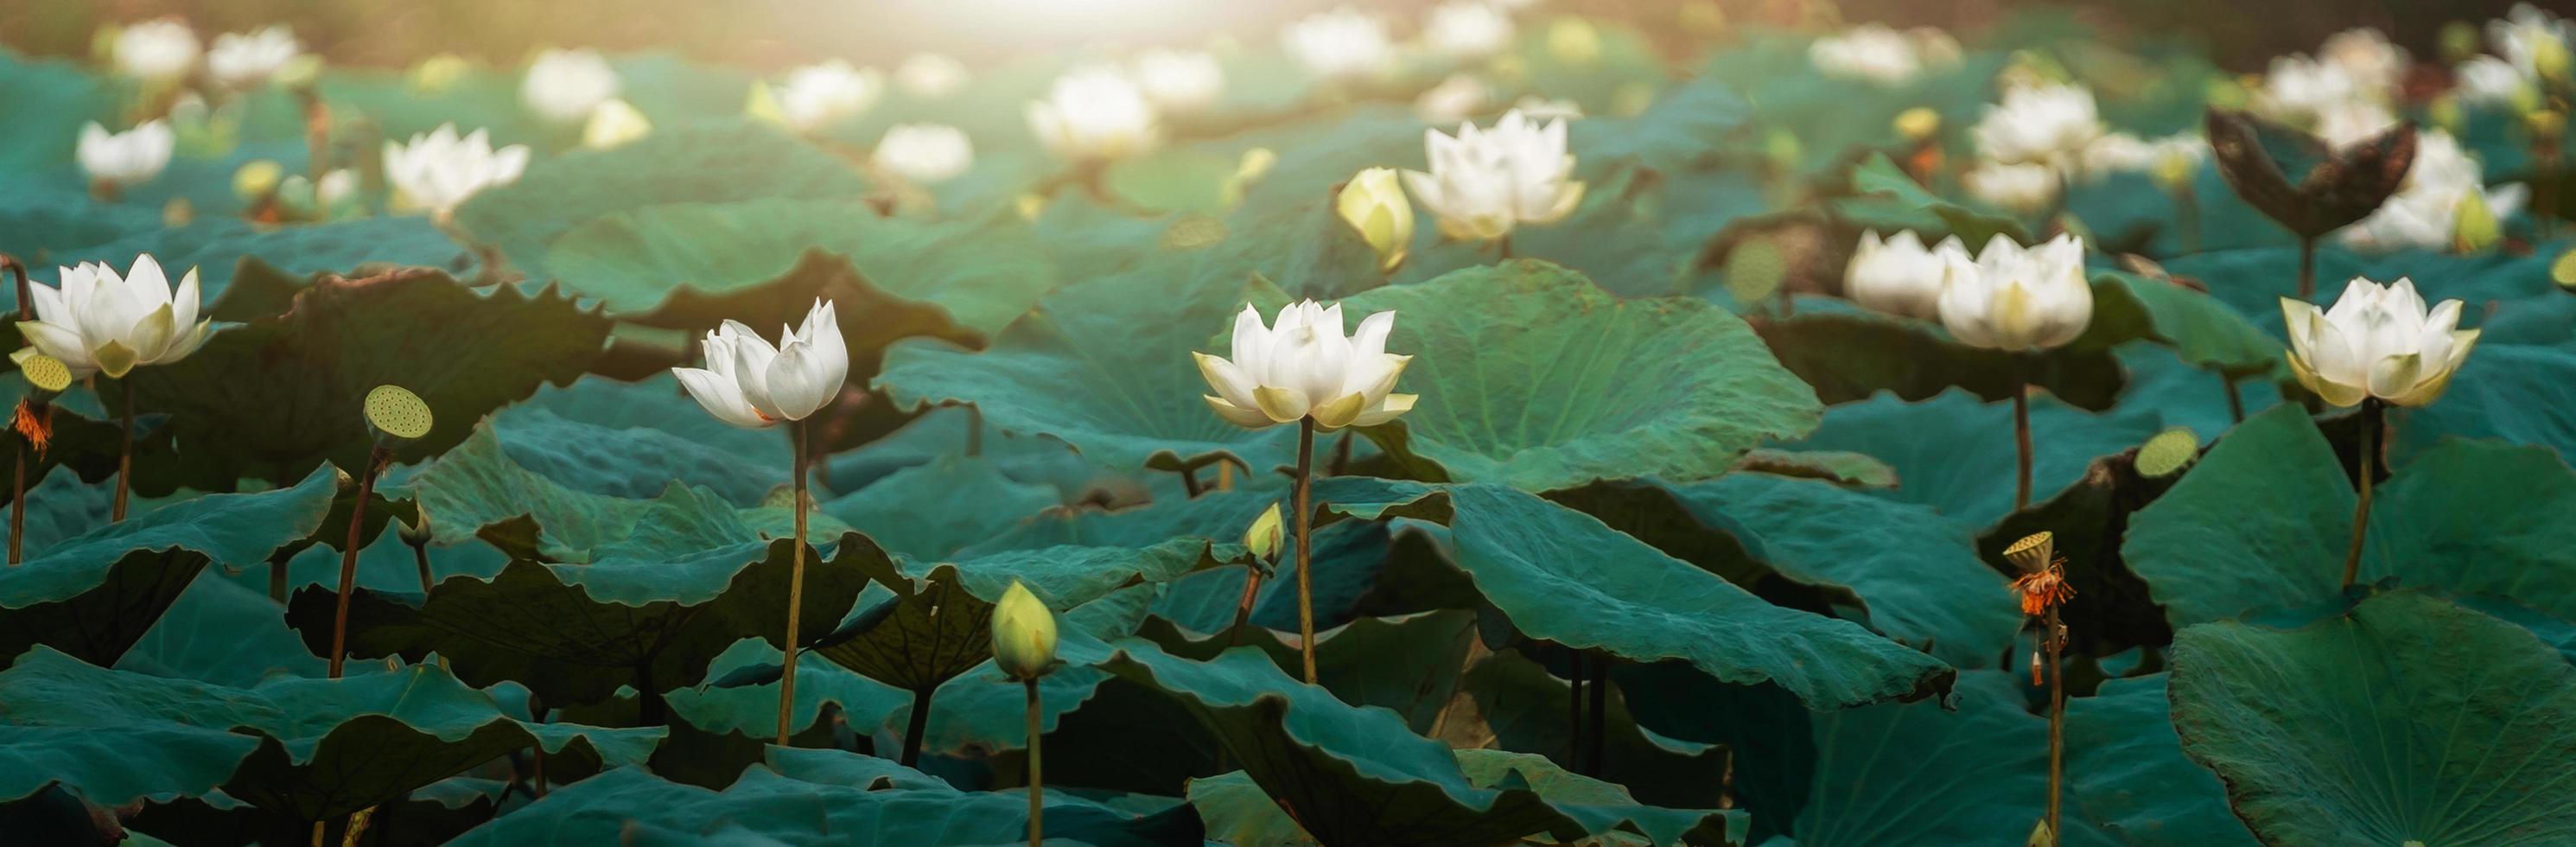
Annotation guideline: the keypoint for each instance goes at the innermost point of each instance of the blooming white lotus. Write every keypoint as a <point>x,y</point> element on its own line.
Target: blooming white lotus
<point>1179,80</point>
<point>2534,41</point>
<point>2016,298</point>
<point>1454,100</point>
<point>1374,203</point>
<point>2377,341</point>
<point>1301,366</point>
<point>1484,183</point>
<point>564,85</point>
<point>1095,113</point>
<point>2045,122</point>
<point>438,170</point>
<point>930,76</point>
<point>2376,66</point>
<point>750,384</point>
<point>99,322</point>
<point>126,158</point>
<point>1340,44</point>
<point>817,96</point>
<point>924,153</point>
<point>242,60</point>
<point>2300,89</point>
<point>2487,80</point>
<point>159,50</point>
<point>2026,189</point>
<point>1873,52</point>
<point>2425,210</point>
<point>1467,29</point>
<point>1899,275</point>
<point>614,122</point>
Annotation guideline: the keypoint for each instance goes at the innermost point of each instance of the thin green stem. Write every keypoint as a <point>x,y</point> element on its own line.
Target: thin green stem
<point>917,727</point>
<point>1305,550</point>
<point>2373,423</point>
<point>18,509</point>
<point>2056,719</point>
<point>1597,735</point>
<point>1574,722</point>
<point>795,588</point>
<point>2307,266</point>
<point>1037,782</point>
<point>2021,431</point>
<point>2235,398</point>
<point>124,457</point>
<point>348,558</point>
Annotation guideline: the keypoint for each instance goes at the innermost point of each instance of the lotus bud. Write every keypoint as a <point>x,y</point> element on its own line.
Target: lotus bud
<point>1264,536</point>
<point>1375,204</point>
<point>1918,124</point>
<point>615,122</point>
<point>2475,227</point>
<point>256,178</point>
<point>1023,634</point>
<point>1783,149</point>
<point>2445,112</point>
<point>439,73</point>
<point>1573,41</point>
<point>2546,124</point>
<point>2549,59</point>
<point>2563,271</point>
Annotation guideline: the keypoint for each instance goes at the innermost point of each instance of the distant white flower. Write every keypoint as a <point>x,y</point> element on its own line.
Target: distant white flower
<point>816,96</point>
<point>1301,367</point>
<point>1340,44</point>
<point>243,60</point>
<point>2487,80</point>
<point>2377,341</point>
<point>438,170</point>
<point>125,158</point>
<point>1484,183</point>
<point>2376,67</point>
<point>930,76</point>
<point>99,322</point>
<point>924,153</point>
<point>1095,113</point>
<point>2425,210</point>
<point>1900,276</point>
<point>2531,39</point>
<point>752,385</point>
<point>1870,52</point>
<point>337,187</point>
<point>2023,189</point>
<point>2048,122</point>
<point>1467,29</point>
<point>613,123</point>
<point>1455,99</point>
<point>2120,152</point>
<point>163,49</point>
<point>1538,108</point>
<point>1179,80</point>
<point>2298,88</point>
<point>2012,298</point>
<point>564,85</point>
<point>2353,121</point>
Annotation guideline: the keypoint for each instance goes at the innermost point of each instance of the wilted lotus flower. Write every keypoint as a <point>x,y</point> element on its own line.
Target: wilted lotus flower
<point>2012,298</point>
<point>164,49</point>
<point>613,123</point>
<point>1483,183</point>
<point>930,76</point>
<point>242,60</point>
<point>2298,179</point>
<point>125,158</point>
<point>1375,205</point>
<point>1454,100</point>
<point>2026,189</point>
<point>2425,210</point>
<point>2377,341</point>
<point>1340,44</point>
<point>437,171</point>
<point>2533,40</point>
<point>817,96</point>
<point>1899,276</point>
<point>750,384</point>
<point>1179,80</point>
<point>1302,367</point>
<point>2047,122</point>
<point>564,85</point>
<point>1871,52</point>
<point>2487,80</point>
<point>1023,634</point>
<point>924,153</point>
<point>98,322</point>
<point>1095,113</point>
<point>1467,29</point>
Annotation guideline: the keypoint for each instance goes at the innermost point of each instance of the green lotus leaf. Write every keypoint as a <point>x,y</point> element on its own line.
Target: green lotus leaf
<point>217,247</point>
<point>484,98</point>
<point>51,99</point>
<point>1832,117</point>
<point>2315,730</point>
<point>1524,706</point>
<point>2254,280</point>
<point>933,510</point>
<point>46,228</point>
<point>1840,467</point>
<point>1879,176</point>
<point>2201,329</point>
<point>1636,234</point>
<point>223,633</point>
<point>1849,355</point>
<point>1876,781</point>
<point>1407,664</point>
<point>1529,376</point>
<point>2127,775</point>
<point>1956,454</point>
<point>2506,392</point>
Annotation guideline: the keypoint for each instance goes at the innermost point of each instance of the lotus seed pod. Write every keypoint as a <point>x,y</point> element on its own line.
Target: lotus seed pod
<point>1023,634</point>
<point>2168,452</point>
<point>2563,271</point>
<point>2033,552</point>
<point>395,411</point>
<point>46,372</point>
<point>1264,536</point>
<point>256,178</point>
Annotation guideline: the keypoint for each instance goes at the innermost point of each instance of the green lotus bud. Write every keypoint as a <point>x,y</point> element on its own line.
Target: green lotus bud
<point>2563,271</point>
<point>1375,205</point>
<point>2549,59</point>
<point>395,411</point>
<point>2042,836</point>
<point>1264,536</point>
<point>1918,124</point>
<point>1023,634</point>
<point>2445,112</point>
<point>300,72</point>
<point>1573,41</point>
<point>2475,227</point>
<point>1783,149</point>
<point>2167,452</point>
<point>439,73</point>
<point>256,178</point>
<point>2459,41</point>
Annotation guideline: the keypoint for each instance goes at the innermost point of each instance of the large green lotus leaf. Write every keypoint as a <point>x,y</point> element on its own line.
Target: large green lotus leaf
<point>1307,248</point>
<point>1956,454</point>
<point>1852,355</point>
<point>2126,773</point>
<point>321,747</point>
<point>216,247</point>
<point>2408,719</point>
<point>47,101</point>
<point>49,227</point>
<point>1409,665</point>
<point>1357,775</point>
<point>631,439</point>
<point>698,162</point>
<point>685,264</point>
<point>93,595</point>
<point>274,398</point>
<point>2112,609</point>
<point>1529,375</point>
<point>931,511</point>
<point>786,810</point>
<point>1524,707</point>
<point>1104,365</point>
<point>1920,773</point>
<point>1880,177</point>
<point>483,98</point>
<point>221,632</point>
<point>1915,572</point>
<point>741,697</point>
<point>2514,393</point>
<point>1637,234</point>
<point>1684,125</point>
<point>2203,331</point>
<point>2254,280</point>
<point>1830,117</point>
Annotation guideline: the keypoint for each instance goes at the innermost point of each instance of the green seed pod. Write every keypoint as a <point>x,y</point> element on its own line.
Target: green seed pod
<point>46,373</point>
<point>1023,634</point>
<point>2168,452</point>
<point>396,412</point>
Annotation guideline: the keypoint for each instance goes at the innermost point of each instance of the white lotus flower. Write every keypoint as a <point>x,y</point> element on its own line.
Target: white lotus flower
<point>613,123</point>
<point>1301,366</point>
<point>2047,122</point>
<point>1179,80</point>
<point>1340,44</point>
<point>2531,40</point>
<point>98,322</point>
<point>2487,80</point>
<point>2299,88</point>
<point>2376,67</point>
<point>2120,152</point>
<point>438,170</point>
<point>164,49</point>
<point>2377,341</point>
<point>1484,183</point>
<point>2016,298</point>
<point>1454,100</point>
<point>1095,113</point>
<point>2027,189</point>
<point>338,186</point>
<point>924,153</point>
<point>1538,108</point>
<point>125,158</point>
<point>930,76</point>
<point>2352,122</point>
<point>2425,210</point>
<point>1900,276</point>
<point>242,60</point>
<point>1467,29</point>
<point>1871,52</point>
<point>817,96</point>
<point>564,85</point>
<point>750,384</point>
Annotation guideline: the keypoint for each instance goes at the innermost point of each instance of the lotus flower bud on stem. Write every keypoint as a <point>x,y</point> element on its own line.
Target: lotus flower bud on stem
<point>1024,647</point>
<point>1374,203</point>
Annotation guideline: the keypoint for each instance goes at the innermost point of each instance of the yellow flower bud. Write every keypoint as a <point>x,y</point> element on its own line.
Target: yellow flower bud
<point>2549,59</point>
<point>2445,112</point>
<point>1023,634</point>
<point>612,123</point>
<point>1573,41</point>
<point>1264,536</point>
<point>1375,205</point>
<point>2546,123</point>
<point>762,105</point>
<point>256,178</point>
<point>1918,123</point>
<point>300,72</point>
<point>439,73</point>
<point>2475,227</point>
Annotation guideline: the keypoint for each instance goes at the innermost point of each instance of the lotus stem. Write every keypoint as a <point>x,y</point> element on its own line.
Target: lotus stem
<point>2056,717</point>
<point>1305,549</point>
<point>2307,266</point>
<point>2373,432</point>
<point>1037,789</point>
<point>1503,247</point>
<point>348,554</point>
<point>2235,398</point>
<point>1597,738</point>
<point>420,559</point>
<point>2021,431</point>
<point>2187,218</point>
<point>1574,710</point>
<point>1190,482</point>
<point>1243,607</point>
<point>18,509</point>
<point>125,458</point>
<point>917,726</point>
<point>795,586</point>
<point>537,754</point>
